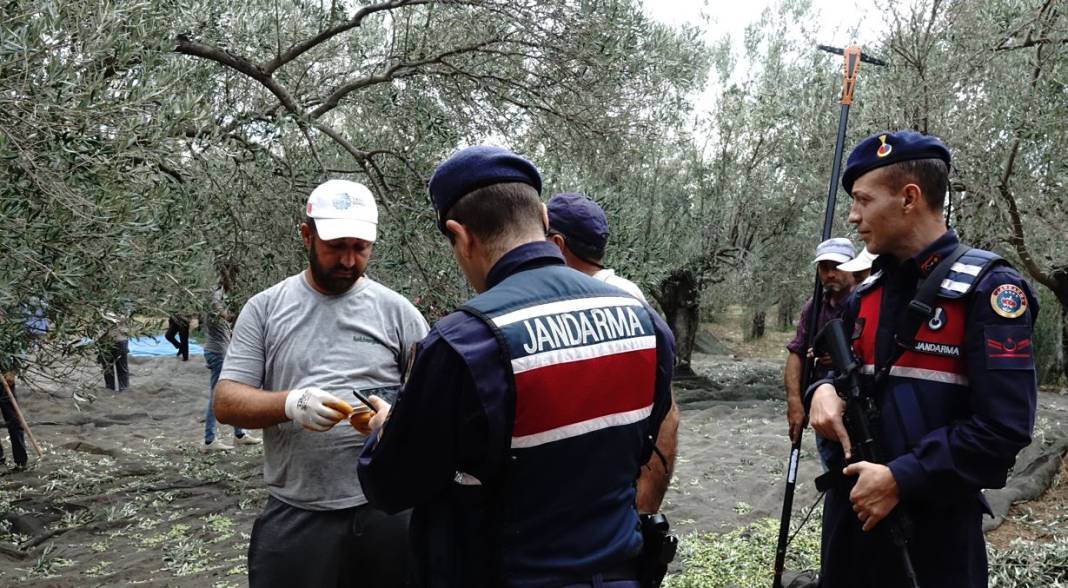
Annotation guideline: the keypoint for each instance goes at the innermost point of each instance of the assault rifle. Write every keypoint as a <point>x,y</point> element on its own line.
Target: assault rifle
<point>861,410</point>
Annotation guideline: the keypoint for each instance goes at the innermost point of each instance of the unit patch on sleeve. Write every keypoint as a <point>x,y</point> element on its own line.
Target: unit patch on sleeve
<point>1008,347</point>
<point>1008,300</point>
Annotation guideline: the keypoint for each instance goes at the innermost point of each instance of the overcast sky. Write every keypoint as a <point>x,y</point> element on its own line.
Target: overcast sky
<point>836,17</point>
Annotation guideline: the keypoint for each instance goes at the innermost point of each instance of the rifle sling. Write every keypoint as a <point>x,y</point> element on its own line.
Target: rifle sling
<point>919,310</point>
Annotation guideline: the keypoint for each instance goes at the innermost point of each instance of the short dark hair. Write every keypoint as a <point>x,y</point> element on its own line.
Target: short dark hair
<point>498,210</point>
<point>931,175</point>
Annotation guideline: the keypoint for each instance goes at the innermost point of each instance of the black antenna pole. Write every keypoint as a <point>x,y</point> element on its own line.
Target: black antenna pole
<point>852,57</point>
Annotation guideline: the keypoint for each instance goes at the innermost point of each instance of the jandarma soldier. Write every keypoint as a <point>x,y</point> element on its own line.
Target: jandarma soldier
<point>956,396</point>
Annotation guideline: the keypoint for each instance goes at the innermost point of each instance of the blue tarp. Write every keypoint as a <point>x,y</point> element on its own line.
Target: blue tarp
<point>159,347</point>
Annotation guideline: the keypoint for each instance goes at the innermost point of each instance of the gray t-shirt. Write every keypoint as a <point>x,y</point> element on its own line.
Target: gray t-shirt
<point>291,336</point>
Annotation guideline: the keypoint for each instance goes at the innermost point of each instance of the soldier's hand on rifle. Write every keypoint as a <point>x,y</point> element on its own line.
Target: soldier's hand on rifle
<point>875,493</point>
<point>825,414</point>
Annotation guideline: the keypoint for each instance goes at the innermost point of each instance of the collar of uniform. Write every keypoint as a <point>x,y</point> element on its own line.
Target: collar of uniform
<point>526,256</point>
<point>925,261</point>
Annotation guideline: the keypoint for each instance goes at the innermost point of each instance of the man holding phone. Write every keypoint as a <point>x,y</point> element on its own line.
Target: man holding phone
<point>298,350</point>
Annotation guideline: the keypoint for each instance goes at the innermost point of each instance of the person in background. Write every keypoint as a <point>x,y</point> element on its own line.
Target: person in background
<point>836,287</point>
<point>860,266</point>
<point>217,333</point>
<point>579,227</point>
<point>178,334</point>
<point>113,349</point>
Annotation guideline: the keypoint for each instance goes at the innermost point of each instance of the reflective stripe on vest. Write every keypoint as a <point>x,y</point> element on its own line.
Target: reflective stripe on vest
<point>580,365</point>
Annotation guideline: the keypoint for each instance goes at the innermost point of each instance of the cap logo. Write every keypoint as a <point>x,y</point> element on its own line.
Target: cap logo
<point>884,148</point>
<point>343,201</point>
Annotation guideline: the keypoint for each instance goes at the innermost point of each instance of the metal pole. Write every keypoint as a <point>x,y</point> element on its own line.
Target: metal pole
<point>851,58</point>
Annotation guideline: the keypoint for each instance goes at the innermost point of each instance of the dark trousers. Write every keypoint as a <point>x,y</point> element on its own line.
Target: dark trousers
<point>355,547</point>
<point>179,326</point>
<point>14,429</point>
<point>115,364</point>
<point>947,546</point>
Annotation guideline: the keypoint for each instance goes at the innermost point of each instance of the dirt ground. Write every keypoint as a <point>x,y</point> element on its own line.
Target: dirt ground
<point>1038,520</point>
<point>124,497</point>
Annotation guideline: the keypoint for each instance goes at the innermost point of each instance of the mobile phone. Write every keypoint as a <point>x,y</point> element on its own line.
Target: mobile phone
<point>363,398</point>
<point>387,393</point>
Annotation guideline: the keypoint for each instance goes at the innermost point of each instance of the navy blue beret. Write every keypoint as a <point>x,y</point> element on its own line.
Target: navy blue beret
<point>476,167</point>
<point>887,148</point>
<point>578,218</point>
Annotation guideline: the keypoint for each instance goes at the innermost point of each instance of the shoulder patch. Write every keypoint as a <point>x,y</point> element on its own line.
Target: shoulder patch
<point>1008,300</point>
<point>967,272</point>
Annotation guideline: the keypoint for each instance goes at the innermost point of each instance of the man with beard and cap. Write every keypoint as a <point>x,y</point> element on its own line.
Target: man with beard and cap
<point>297,352</point>
<point>836,286</point>
<point>942,335</point>
<point>579,228</point>
<point>530,411</point>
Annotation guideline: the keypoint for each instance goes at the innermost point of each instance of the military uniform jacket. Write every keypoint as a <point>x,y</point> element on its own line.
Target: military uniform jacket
<point>955,408</point>
<point>519,435</point>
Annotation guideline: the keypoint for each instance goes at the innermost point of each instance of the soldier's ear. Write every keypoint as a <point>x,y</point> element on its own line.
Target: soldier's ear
<point>913,197</point>
<point>462,240</point>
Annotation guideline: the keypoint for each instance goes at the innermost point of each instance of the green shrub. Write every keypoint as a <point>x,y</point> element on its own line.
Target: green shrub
<point>1025,564</point>
<point>743,557</point>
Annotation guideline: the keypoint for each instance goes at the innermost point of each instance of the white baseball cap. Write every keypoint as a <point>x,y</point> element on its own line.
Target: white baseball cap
<point>838,250</point>
<point>343,209</point>
<point>861,263</point>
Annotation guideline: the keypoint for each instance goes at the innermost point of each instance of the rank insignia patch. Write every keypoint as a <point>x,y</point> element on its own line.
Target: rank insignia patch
<point>1008,300</point>
<point>1008,347</point>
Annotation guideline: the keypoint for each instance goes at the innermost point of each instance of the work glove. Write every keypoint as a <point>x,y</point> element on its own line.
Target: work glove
<point>315,409</point>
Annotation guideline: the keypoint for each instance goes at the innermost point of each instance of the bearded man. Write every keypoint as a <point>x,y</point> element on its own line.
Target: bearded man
<point>298,350</point>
